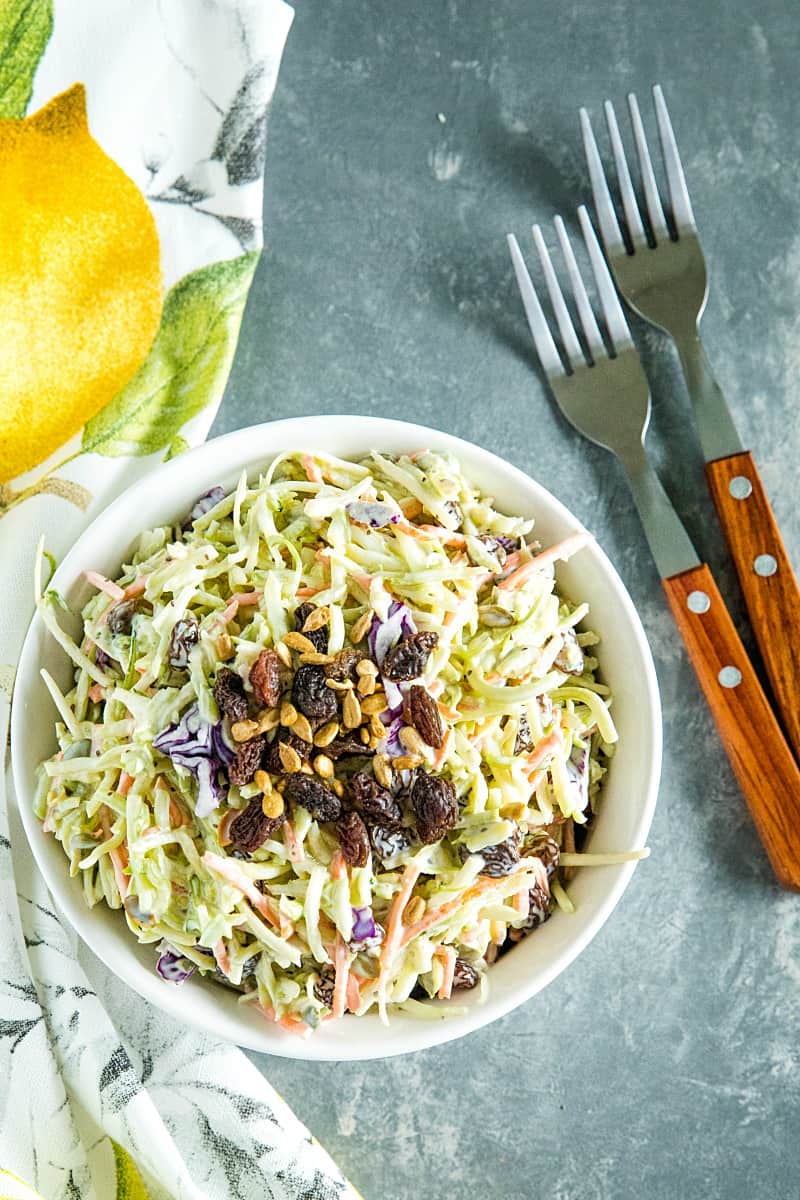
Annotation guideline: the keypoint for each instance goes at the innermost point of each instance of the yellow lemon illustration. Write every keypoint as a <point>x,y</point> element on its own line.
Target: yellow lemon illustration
<point>80,280</point>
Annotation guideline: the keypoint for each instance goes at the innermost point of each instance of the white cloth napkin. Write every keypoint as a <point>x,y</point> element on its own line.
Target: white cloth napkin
<point>100,1094</point>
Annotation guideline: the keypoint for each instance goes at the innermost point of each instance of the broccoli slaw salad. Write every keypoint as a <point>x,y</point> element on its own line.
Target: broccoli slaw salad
<point>332,739</point>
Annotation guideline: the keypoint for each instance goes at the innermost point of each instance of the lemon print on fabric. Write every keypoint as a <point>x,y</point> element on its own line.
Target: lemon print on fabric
<point>80,280</point>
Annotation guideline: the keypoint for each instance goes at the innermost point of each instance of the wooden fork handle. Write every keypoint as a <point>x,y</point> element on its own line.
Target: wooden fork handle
<point>759,753</point>
<point>769,585</point>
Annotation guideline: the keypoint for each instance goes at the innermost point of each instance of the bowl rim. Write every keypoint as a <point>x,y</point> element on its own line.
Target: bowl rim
<point>272,1040</point>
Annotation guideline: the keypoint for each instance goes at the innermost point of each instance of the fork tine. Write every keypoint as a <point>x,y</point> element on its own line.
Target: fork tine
<point>655,211</point>
<point>678,192</point>
<point>569,338</point>
<point>629,202</point>
<point>616,324</point>
<point>604,206</point>
<point>545,346</point>
<point>590,327</point>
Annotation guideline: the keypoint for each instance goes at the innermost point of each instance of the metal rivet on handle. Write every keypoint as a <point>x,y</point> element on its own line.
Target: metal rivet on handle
<point>740,487</point>
<point>765,565</point>
<point>730,677</point>
<point>698,602</point>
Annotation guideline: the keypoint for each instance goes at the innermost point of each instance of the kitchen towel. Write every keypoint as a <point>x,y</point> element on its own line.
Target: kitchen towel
<point>131,182</point>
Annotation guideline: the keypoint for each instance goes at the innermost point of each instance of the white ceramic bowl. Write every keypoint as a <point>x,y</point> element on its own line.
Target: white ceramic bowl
<point>629,794</point>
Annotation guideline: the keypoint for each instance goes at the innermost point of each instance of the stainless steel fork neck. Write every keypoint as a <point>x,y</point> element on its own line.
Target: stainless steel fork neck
<point>715,427</point>
<point>669,542</point>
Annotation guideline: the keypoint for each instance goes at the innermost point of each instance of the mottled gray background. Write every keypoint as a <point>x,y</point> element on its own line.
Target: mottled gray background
<point>665,1062</point>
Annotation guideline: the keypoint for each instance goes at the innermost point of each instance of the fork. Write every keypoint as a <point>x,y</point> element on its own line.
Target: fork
<point>607,399</point>
<point>662,276</point>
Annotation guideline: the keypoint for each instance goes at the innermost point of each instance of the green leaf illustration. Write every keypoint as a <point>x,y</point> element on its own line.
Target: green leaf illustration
<point>130,1185</point>
<point>25,28</point>
<point>187,366</point>
<point>178,445</point>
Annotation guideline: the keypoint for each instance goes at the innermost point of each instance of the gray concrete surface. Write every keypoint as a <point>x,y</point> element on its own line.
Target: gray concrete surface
<point>664,1063</point>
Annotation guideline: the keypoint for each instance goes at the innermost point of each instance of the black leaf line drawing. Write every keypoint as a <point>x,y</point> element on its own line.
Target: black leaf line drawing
<point>19,1029</point>
<point>242,139</point>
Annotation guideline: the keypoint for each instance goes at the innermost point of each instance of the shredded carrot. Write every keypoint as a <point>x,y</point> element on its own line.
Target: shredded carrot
<point>444,910</point>
<point>119,862</point>
<point>522,901</point>
<point>443,751</point>
<point>338,867</point>
<point>450,714</point>
<point>305,592</point>
<point>237,878</point>
<point>353,993</point>
<point>393,925</point>
<point>311,469</point>
<point>293,847</point>
<point>238,600</point>
<point>136,588</point>
<point>341,964</point>
<point>411,507</point>
<point>221,957</point>
<point>96,692</point>
<point>447,955</point>
<point>558,553</point>
<point>104,585</point>
<point>543,749</point>
<point>427,533</point>
<point>289,1022</point>
<point>125,782</point>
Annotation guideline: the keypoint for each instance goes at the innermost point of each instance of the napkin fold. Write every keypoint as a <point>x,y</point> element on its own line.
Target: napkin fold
<point>132,138</point>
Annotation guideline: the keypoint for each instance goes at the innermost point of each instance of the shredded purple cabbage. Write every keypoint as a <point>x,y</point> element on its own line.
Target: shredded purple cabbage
<point>372,513</point>
<point>366,932</point>
<point>201,748</point>
<point>202,505</point>
<point>391,744</point>
<point>172,966</point>
<point>382,637</point>
<point>577,769</point>
<point>102,660</point>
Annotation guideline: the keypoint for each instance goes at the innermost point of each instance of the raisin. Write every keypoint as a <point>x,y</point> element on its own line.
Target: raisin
<point>120,617</point>
<point>389,841</point>
<point>272,759</point>
<point>229,694</point>
<point>346,746</point>
<point>323,988</point>
<point>344,665</point>
<point>353,839</point>
<point>311,695</point>
<point>185,635</point>
<point>539,911</point>
<point>501,859</point>
<point>317,637</point>
<point>524,739</point>
<point>374,802</point>
<point>314,795</point>
<point>265,678</point>
<point>407,660</point>
<point>424,713</point>
<point>545,848</point>
<point>246,761</point>
<point>465,976</point>
<point>435,806</point>
<point>251,828</point>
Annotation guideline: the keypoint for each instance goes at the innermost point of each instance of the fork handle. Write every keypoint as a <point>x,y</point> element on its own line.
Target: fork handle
<point>769,585</point>
<point>759,754</point>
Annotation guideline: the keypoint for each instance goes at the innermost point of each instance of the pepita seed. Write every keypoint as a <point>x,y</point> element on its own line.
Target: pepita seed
<point>316,619</point>
<point>376,726</point>
<point>366,667</point>
<point>315,659</point>
<point>268,720</point>
<point>262,780</point>
<point>323,766</point>
<point>302,728</point>
<point>363,733</point>
<point>290,759</point>
<point>298,642</point>
<point>225,647</point>
<point>351,711</point>
<point>338,787</point>
<point>272,804</point>
<point>406,762</point>
<point>382,769</point>
<point>359,630</point>
<point>325,735</point>
<point>513,812</point>
<point>339,685</point>
<point>284,654</point>
<point>280,784</point>
<point>374,704</point>
<point>288,713</point>
<point>306,768</point>
<point>242,731</point>
<point>412,741</point>
<point>414,910</point>
<point>366,685</point>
